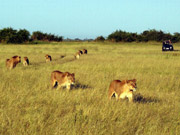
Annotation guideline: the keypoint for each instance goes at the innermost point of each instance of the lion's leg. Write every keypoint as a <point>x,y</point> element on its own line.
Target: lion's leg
<point>14,65</point>
<point>117,96</point>
<point>8,66</point>
<point>110,93</point>
<point>53,83</point>
<point>68,87</point>
<point>130,96</point>
<point>11,66</point>
<point>113,93</point>
<point>59,86</point>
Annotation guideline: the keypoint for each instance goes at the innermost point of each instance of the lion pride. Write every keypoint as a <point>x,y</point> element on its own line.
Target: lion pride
<point>122,89</point>
<point>62,79</point>
<point>12,62</point>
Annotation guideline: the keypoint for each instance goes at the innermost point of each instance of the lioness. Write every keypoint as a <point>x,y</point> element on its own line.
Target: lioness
<point>26,61</point>
<point>62,79</point>
<point>84,51</point>
<point>12,62</point>
<point>77,55</point>
<point>122,89</point>
<point>48,58</point>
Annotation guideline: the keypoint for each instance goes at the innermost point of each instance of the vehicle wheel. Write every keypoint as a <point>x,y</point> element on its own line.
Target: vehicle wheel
<point>163,49</point>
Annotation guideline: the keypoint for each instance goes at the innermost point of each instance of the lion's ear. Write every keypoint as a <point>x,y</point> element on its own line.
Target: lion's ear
<point>134,80</point>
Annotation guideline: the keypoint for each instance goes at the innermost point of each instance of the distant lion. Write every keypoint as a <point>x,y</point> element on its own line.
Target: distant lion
<point>84,51</point>
<point>77,55</point>
<point>12,62</point>
<point>122,89</point>
<point>26,61</point>
<point>48,58</point>
<point>62,79</point>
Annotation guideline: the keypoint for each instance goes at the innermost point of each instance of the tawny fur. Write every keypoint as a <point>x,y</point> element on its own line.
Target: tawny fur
<point>62,79</point>
<point>77,55</point>
<point>84,51</point>
<point>12,62</point>
<point>48,58</point>
<point>122,89</point>
<point>26,61</point>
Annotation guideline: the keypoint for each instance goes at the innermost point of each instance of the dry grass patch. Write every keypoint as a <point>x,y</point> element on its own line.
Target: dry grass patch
<point>28,105</point>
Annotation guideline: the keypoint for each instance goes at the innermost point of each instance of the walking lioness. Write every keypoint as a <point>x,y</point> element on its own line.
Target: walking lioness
<point>12,62</point>
<point>122,89</point>
<point>62,79</point>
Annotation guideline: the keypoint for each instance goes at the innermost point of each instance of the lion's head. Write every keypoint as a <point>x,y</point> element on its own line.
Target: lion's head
<point>71,78</point>
<point>132,84</point>
<point>17,58</point>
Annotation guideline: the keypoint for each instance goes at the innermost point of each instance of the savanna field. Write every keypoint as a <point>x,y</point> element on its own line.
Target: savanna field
<point>29,106</point>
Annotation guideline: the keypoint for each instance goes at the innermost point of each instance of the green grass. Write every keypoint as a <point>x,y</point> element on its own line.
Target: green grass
<point>29,106</point>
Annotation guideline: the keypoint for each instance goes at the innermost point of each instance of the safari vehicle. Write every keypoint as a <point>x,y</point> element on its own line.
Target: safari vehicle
<point>167,46</point>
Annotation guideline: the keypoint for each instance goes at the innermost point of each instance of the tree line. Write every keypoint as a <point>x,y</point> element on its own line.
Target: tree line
<point>147,35</point>
<point>9,35</point>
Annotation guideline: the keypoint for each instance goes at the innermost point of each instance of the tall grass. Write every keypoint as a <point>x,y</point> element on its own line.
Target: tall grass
<point>28,105</point>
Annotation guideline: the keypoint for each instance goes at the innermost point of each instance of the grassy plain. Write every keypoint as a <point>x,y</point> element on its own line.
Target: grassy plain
<point>29,106</point>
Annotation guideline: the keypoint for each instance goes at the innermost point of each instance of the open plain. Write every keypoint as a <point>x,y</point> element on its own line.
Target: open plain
<point>28,105</point>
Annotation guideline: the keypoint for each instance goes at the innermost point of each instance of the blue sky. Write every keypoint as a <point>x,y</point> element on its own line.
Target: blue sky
<point>90,18</point>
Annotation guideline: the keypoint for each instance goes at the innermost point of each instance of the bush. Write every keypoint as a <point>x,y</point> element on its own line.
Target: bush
<point>100,39</point>
<point>118,36</point>
<point>37,35</point>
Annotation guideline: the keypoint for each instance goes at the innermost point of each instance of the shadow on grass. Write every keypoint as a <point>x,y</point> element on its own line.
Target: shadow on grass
<point>176,50</point>
<point>80,86</point>
<point>138,98</point>
<point>73,87</point>
<point>57,59</point>
<point>173,53</point>
<point>62,56</point>
<point>60,60</point>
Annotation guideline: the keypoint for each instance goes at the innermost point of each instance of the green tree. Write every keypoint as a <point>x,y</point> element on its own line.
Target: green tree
<point>8,35</point>
<point>23,36</point>
<point>37,35</point>
<point>120,35</point>
<point>100,39</point>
